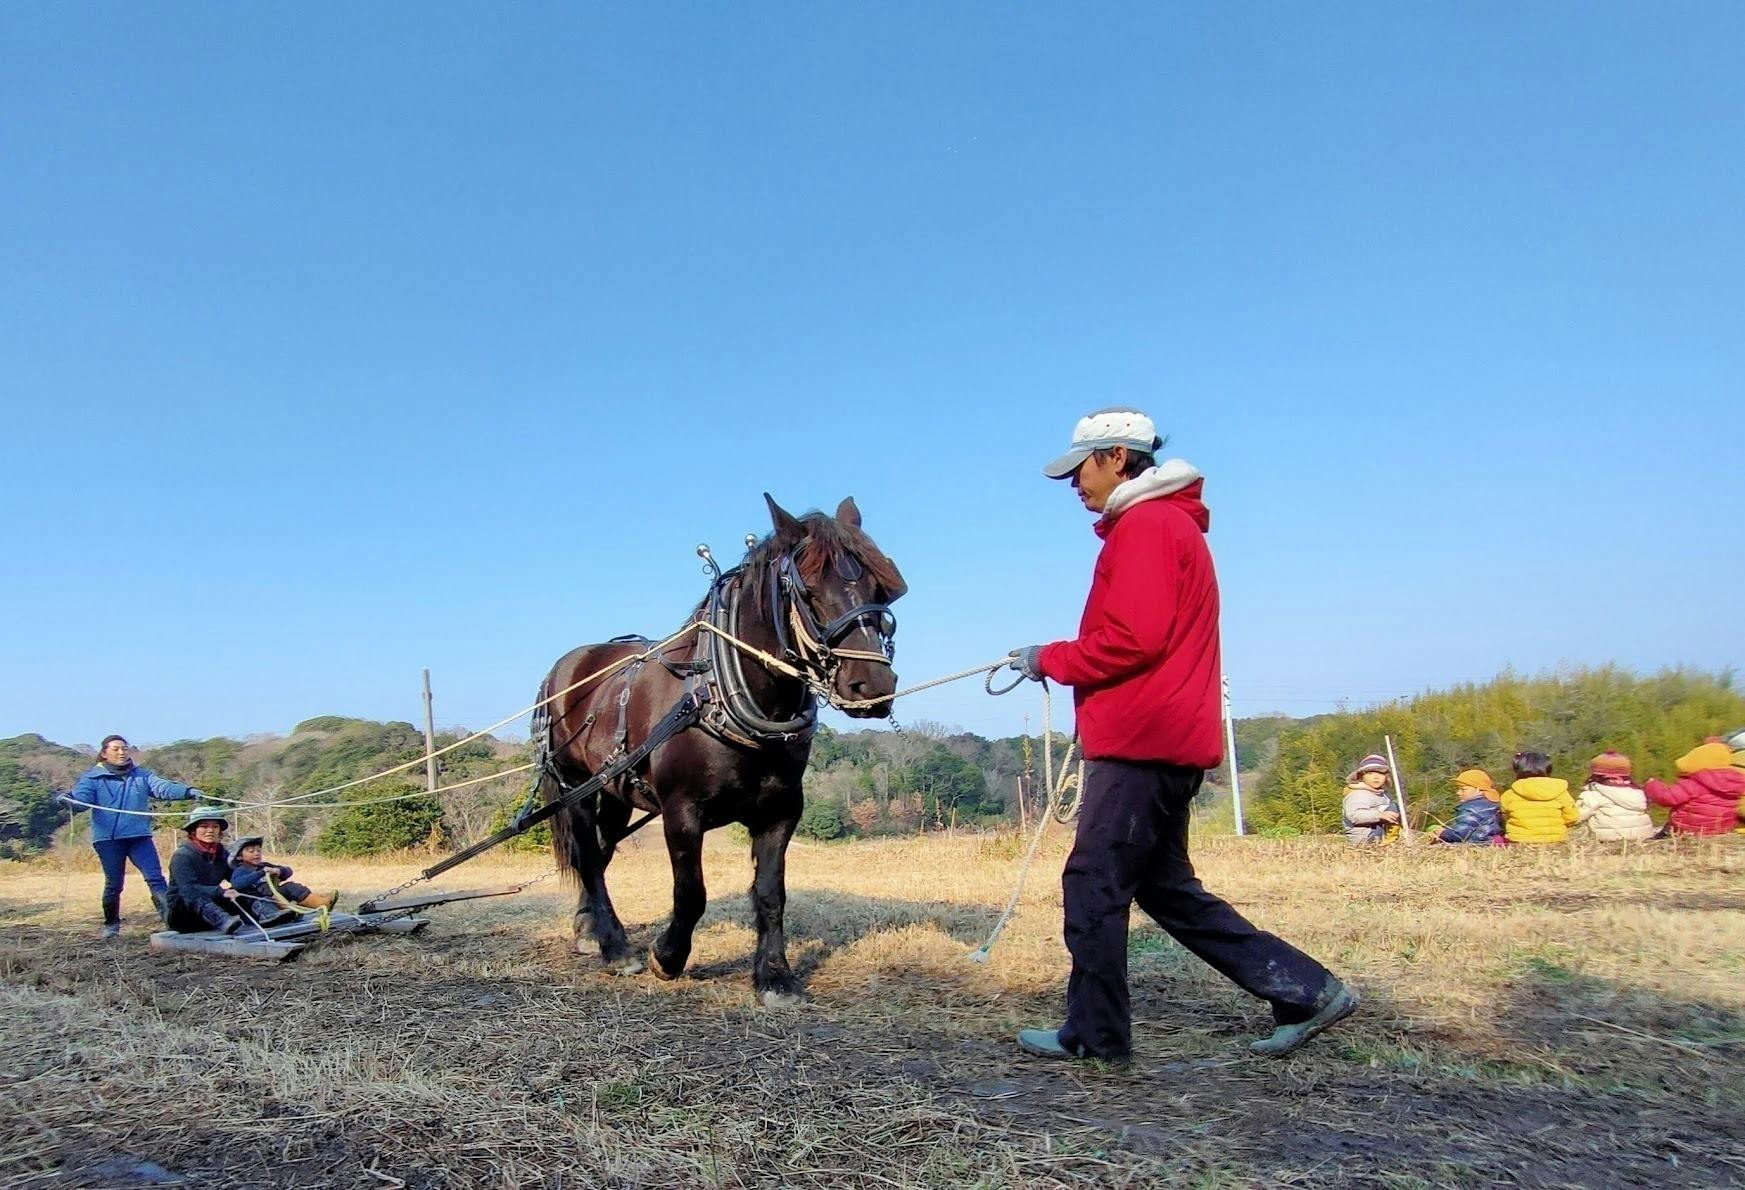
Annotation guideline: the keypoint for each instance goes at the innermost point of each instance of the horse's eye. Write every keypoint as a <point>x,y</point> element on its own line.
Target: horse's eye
<point>848,566</point>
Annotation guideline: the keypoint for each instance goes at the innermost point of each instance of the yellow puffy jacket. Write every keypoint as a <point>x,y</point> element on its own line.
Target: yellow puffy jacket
<point>1538,810</point>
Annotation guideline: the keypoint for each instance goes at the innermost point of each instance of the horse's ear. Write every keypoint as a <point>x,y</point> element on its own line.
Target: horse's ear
<point>847,513</point>
<point>786,525</point>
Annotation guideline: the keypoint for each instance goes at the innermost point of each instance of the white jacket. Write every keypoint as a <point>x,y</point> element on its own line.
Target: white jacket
<point>1615,813</point>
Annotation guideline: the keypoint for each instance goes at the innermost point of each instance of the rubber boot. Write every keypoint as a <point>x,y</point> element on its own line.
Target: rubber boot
<point>316,900</point>
<point>162,904</point>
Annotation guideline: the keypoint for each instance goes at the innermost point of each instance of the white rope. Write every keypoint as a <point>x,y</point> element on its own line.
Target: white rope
<point>302,800</point>
<point>1055,792</point>
<point>231,804</point>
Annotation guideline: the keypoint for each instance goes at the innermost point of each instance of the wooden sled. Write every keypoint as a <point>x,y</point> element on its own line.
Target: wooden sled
<point>278,943</point>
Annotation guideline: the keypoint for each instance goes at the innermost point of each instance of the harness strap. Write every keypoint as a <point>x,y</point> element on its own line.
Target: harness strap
<point>684,714</point>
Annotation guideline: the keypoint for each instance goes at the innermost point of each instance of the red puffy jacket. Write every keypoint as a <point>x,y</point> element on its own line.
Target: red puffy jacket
<point>1145,667</point>
<point>1703,803</point>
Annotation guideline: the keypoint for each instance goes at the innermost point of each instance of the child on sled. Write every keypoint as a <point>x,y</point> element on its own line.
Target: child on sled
<point>268,887</point>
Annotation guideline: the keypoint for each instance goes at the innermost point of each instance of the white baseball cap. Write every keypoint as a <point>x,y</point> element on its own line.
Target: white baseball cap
<point>1118,426</point>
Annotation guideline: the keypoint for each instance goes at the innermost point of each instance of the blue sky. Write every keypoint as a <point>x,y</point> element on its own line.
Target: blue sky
<point>340,341</point>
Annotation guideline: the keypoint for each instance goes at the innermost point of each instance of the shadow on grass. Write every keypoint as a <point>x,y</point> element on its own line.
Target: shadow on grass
<point>822,921</point>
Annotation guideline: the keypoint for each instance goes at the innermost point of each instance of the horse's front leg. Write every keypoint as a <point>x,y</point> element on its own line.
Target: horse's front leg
<point>682,820</point>
<point>772,979</point>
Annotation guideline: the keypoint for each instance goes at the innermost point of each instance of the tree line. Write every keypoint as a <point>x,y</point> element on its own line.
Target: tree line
<point>925,777</point>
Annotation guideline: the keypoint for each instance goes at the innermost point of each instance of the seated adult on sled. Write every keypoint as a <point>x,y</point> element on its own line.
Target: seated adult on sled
<point>200,894</point>
<point>272,902</point>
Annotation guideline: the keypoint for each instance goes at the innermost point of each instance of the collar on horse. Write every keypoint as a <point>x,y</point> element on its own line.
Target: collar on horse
<point>732,712</point>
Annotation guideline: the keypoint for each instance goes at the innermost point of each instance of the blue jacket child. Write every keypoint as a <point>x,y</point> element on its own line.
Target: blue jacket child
<point>248,875</point>
<point>1477,819</point>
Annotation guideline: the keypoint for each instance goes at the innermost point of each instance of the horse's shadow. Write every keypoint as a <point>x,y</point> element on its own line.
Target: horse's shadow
<point>819,922</point>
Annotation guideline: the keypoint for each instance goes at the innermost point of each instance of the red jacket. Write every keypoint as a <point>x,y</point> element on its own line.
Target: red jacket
<point>1145,668</point>
<point>1704,803</point>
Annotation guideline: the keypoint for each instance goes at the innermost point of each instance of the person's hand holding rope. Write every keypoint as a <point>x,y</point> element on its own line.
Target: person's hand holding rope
<point>1028,661</point>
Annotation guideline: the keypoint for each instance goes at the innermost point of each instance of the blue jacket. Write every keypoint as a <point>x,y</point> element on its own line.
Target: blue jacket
<point>1476,820</point>
<point>252,878</point>
<point>131,788</point>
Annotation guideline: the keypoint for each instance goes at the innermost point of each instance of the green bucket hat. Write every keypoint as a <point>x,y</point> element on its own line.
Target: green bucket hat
<point>206,814</point>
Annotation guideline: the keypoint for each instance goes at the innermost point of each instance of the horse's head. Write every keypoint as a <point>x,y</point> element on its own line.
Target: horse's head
<point>833,590</point>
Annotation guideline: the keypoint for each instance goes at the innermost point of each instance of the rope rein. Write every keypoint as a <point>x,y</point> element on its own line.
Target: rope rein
<point>303,800</point>
<point>1055,808</point>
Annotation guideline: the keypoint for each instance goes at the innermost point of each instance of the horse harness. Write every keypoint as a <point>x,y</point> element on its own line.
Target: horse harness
<point>716,696</point>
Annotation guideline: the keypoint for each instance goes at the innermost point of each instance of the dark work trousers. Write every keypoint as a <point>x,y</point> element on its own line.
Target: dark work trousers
<point>114,855</point>
<point>1133,845</point>
<point>207,913</point>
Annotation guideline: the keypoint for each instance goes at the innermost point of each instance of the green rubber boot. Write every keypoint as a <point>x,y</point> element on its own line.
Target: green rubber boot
<point>1044,1043</point>
<point>1341,1004</point>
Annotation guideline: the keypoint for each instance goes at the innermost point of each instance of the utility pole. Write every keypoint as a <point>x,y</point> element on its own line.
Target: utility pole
<point>1230,750</point>
<point>429,739</point>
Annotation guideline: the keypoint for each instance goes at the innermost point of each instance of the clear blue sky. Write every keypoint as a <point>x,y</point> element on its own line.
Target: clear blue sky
<point>337,341</point>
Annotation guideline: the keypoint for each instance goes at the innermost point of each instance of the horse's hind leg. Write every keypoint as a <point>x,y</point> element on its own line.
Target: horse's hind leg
<point>588,856</point>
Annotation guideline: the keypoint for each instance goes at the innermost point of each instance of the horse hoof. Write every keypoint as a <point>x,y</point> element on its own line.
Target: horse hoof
<point>660,971</point>
<point>771,998</point>
<point>582,946</point>
<point>628,965</point>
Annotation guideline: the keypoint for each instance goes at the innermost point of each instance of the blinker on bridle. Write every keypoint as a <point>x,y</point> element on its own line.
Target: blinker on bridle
<point>816,644</point>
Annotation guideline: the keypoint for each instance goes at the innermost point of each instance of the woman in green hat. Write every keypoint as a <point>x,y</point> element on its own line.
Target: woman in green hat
<point>200,894</point>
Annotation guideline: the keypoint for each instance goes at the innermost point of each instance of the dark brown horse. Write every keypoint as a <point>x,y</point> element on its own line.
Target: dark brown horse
<point>815,593</point>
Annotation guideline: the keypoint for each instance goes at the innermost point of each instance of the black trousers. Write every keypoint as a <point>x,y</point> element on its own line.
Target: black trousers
<point>1132,845</point>
<point>204,914</point>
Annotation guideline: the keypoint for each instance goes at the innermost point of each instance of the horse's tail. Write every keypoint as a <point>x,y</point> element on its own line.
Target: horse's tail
<point>566,844</point>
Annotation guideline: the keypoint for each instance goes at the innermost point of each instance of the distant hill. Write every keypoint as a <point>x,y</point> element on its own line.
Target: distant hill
<point>925,776</point>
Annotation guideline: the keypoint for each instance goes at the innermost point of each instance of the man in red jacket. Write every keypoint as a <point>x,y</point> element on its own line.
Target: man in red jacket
<point>1145,675</point>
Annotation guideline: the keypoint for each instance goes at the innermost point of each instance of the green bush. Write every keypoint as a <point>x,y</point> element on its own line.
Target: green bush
<point>822,820</point>
<point>537,839</point>
<point>386,826</point>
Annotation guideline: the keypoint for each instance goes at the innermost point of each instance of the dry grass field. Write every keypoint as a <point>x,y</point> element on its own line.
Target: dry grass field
<point>1571,1016</point>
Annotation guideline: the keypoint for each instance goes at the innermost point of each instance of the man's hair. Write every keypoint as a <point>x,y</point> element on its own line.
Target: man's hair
<point>1137,460</point>
<point>1532,764</point>
<point>110,739</point>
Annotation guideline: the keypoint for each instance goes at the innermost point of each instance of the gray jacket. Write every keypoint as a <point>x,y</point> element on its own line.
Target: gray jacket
<point>1363,810</point>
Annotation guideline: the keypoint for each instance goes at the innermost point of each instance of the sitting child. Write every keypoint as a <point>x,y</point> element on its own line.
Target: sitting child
<point>200,896</point>
<point>1369,814</point>
<point>1613,806</point>
<point>1537,808</point>
<point>248,875</point>
<point>1705,798</point>
<point>1476,818</point>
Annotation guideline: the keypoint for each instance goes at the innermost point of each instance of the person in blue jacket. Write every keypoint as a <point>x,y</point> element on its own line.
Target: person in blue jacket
<point>1476,818</point>
<point>121,791</point>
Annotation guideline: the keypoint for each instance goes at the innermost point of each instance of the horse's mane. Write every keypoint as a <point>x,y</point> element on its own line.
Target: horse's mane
<point>825,540</point>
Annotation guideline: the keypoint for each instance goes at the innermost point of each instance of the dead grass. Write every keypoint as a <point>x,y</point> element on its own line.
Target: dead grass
<point>1570,1016</point>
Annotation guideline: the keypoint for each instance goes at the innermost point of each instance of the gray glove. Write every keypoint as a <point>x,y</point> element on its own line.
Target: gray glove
<point>1028,661</point>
